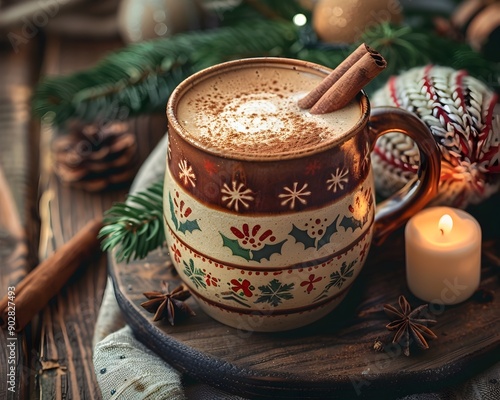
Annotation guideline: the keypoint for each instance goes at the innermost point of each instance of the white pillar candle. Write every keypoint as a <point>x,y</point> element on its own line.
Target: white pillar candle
<point>443,255</point>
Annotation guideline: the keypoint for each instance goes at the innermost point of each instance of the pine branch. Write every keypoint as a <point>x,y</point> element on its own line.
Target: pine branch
<point>140,77</point>
<point>405,47</point>
<point>135,227</point>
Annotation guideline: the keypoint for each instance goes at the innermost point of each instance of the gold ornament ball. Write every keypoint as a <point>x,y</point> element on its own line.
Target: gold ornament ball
<point>344,21</point>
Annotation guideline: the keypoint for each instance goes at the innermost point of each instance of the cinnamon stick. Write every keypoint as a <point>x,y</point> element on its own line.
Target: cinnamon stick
<point>314,95</point>
<point>345,82</point>
<point>46,280</point>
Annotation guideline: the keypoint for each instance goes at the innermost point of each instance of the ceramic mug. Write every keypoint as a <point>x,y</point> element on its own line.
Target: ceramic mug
<point>269,236</point>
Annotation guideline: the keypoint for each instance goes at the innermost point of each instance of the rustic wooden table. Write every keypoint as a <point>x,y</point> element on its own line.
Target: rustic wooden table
<point>53,356</point>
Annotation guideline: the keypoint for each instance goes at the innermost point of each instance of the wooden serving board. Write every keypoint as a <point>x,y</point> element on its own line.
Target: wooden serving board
<point>332,358</point>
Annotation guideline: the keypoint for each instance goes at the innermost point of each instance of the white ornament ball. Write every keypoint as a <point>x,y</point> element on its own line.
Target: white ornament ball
<point>344,21</point>
<point>140,20</point>
<point>463,115</point>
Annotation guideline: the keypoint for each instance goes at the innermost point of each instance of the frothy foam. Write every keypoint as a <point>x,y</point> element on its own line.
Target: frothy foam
<point>255,111</point>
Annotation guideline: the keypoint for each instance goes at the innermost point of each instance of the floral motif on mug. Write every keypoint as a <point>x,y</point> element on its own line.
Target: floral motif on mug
<point>315,233</point>
<point>176,253</point>
<point>252,243</point>
<point>275,292</point>
<point>211,280</point>
<point>338,179</point>
<point>196,275</point>
<point>241,291</point>
<point>338,278</point>
<point>186,173</point>
<point>294,194</point>
<point>179,214</point>
<point>309,283</point>
<point>237,195</point>
<point>242,287</point>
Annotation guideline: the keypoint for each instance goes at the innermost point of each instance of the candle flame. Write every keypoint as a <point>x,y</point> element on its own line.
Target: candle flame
<point>445,224</point>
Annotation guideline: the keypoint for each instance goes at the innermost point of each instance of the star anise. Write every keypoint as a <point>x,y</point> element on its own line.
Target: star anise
<point>166,304</point>
<point>407,322</point>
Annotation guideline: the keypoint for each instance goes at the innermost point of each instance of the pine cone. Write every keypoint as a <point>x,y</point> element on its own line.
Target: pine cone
<point>94,157</point>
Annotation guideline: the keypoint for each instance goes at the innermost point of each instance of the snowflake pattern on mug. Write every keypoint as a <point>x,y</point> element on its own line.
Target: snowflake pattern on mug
<point>195,274</point>
<point>237,195</point>
<point>338,179</point>
<point>305,189</point>
<point>338,278</point>
<point>275,292</point>
<point>292,195</point>
<point>313,167</point>
<point>186,173</point>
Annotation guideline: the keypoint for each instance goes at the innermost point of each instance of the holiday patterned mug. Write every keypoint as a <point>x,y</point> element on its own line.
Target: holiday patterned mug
<point>270,233</point>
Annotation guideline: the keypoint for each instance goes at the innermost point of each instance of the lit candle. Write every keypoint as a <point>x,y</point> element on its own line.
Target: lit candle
<point>443,255</point>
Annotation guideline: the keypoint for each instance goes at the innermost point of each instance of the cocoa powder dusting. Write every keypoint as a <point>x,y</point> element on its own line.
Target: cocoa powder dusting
<point>256,113</point>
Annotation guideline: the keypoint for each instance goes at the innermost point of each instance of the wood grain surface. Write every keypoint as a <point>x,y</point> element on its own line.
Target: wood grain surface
<point>55,351</point>
<point>18,221</point>
<point>333,358</point>
<point>66,327</point>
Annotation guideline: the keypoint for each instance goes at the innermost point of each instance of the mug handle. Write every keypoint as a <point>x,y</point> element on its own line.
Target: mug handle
<point>397,209</point>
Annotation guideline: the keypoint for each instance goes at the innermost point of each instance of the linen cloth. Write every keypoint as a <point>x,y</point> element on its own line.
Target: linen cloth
<point>126,367</point>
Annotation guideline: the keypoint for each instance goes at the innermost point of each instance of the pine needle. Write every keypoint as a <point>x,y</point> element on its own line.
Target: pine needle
<point>406,47</point>
<point>135,227</point>
<point>139,78</point>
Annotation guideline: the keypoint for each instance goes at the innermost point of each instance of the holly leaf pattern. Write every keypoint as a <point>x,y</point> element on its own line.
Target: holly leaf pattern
<point>255,255</point>
<point>275,292</point>
<point>172,211</point>
<point>330,230</point>
<point>188,226</point>
<point>302,237</point>
<point>235,247</point>
<point>351,222</point>
<point>267,251</point>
